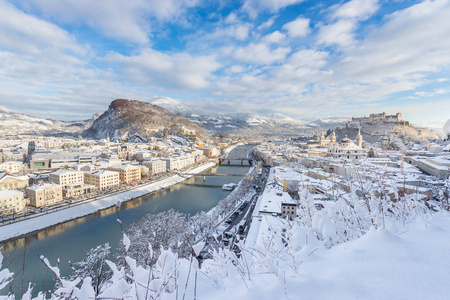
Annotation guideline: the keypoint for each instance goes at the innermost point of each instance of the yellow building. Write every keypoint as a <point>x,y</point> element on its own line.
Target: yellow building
<point>11,201</point>
<point>127,173</point>
<point>9,182</point>
<point>102,179</point>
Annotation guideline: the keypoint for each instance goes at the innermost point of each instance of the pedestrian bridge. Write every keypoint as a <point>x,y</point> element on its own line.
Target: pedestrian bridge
<point>234,161</point>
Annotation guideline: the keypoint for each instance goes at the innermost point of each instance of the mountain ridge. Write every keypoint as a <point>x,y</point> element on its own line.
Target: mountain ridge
<point>235,123</point>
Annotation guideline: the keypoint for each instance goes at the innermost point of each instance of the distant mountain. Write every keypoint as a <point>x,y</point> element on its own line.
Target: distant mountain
<point>236,123</point>
<point>12,123</point>
<point>130,119</point>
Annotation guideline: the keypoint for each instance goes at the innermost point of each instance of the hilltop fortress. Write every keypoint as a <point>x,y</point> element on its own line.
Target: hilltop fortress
<point>383,117</point>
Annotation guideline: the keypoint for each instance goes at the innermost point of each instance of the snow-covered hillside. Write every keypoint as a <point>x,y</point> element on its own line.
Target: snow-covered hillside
<point>239,123</point>
<point>16,123</point>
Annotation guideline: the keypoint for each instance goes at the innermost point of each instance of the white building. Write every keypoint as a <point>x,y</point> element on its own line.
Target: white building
<point>11,166</point>
<point>64,177</point>
<point>347,150</point>
<point>156,166</point>
<point>179,162</point>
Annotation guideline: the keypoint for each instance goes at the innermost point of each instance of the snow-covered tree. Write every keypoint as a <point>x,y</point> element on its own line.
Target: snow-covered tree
<point>167,230</point>
<point>94,266</point>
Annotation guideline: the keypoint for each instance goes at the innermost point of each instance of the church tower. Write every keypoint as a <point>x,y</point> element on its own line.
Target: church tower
<point>333,138</point>
<point>322,139</point>
<point>359,139</point>
<point>384,143</point>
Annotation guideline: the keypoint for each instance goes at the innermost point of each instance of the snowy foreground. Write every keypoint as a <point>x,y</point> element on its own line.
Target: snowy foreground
<point>79,210</point>
<point>399,262</point>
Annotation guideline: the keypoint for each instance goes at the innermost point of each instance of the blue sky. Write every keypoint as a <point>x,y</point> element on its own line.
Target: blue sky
<point>306,59</point>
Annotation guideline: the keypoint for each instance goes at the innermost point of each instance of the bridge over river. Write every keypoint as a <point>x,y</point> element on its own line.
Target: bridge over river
<point>231,161</point>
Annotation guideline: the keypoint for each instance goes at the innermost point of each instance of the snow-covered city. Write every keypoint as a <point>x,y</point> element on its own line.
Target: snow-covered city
<point>238,149</point>
<point>304,211</point>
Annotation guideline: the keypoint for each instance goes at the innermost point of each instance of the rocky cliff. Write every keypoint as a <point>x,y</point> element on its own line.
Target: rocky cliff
<point>131,119</point>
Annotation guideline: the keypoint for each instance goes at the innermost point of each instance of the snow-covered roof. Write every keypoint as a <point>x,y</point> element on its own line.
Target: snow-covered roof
<point>6,177</point>
<point>43,186</point>
<point>64,171</point>
<point>102,172</point>
<point>9,193</point>
<point>124,167</point>
<point>271,201</point>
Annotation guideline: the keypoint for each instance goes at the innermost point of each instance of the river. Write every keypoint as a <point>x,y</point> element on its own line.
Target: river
<point>71,240</point>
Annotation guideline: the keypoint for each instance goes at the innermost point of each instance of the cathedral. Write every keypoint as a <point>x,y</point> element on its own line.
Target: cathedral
<point>346,148</point>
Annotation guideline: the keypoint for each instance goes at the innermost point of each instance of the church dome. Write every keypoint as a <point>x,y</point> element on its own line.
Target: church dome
<point>345,140</point>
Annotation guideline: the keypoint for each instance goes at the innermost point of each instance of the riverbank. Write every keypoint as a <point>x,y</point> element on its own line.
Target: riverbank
<point>78,210</point>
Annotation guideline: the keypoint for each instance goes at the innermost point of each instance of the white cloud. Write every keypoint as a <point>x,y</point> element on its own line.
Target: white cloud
<point>396,57</point>
<point>432,93</point>
<point>356,9</point>
<point>410,44</point>
<point>253,7</point>
<point>27,34</point>
<point>340,33</point>
<point>346,17</point>
<point>222,33</point>
<point>261,54</point>
<point>275,37</point>
<point>240,32</point>
<point>157,69</point>
<point>309,58</point>
<point>126,20</point>
<point>267,24</point>
<point>298,27</point>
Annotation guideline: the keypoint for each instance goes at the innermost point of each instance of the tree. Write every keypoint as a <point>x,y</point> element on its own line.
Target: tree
<point>293,188</point>
<point>167,230</point>
<point>94,266</point>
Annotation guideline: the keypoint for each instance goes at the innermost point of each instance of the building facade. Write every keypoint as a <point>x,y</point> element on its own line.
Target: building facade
<point>46,194</point>
<point>11,166</point>
<point>127,173</point>
<point>77,189</point>
<point>156,166</point>
<point>179,162</point>
<point>64,177</point>
<point>102,179</point>
<point>11,201</point>
<point>9,182</point>
<point>347,150</point>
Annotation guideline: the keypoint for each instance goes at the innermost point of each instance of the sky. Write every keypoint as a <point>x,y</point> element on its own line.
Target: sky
<point>305,59</point>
